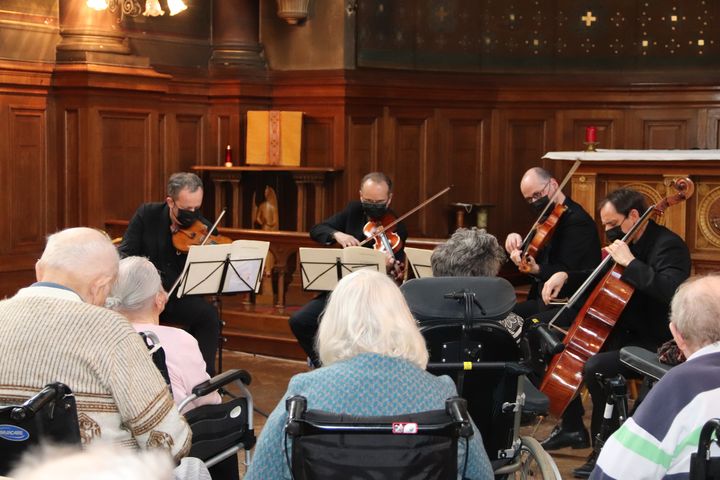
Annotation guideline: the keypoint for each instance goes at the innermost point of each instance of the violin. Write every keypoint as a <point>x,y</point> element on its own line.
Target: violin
<point>196,234</point>
<point>597,317</point>
<point>542,230</point>
<point>386,240</point>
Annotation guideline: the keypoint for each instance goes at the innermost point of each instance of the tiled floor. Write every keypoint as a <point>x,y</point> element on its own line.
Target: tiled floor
<point>270,377</point>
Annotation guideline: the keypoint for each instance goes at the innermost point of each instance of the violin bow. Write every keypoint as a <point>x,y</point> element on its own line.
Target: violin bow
<point>212,229</point>
<point>544,211</point>
<point>406,214</point>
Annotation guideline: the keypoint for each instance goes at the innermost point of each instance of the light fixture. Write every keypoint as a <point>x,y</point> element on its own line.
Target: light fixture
<point>293,11</point>
<point>97,4</point>
<point>133,8</point>
<point>153,8</point>
<point>176,6</point>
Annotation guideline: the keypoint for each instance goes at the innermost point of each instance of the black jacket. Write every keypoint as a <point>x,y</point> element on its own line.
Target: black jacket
<point>574,246</point>
<point>662,262</point>
<point>148,235</point>
<point>350,221</point>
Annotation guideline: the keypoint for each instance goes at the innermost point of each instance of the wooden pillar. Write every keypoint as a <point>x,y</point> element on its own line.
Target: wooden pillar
<point>235,34</point>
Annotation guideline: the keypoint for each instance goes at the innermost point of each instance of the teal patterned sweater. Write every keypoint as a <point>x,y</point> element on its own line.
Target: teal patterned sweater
<point>365,385</point>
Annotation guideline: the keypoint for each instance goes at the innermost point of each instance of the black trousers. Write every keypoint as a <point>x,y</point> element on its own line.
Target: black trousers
<point>200,319</point>
<point>304,325</point>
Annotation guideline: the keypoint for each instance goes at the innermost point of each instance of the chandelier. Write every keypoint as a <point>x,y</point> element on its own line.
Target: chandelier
<point>133,8</point>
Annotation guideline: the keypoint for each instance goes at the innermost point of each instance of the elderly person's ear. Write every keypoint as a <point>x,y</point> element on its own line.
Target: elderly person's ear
<point>99,290</point>
<point>161,298</point>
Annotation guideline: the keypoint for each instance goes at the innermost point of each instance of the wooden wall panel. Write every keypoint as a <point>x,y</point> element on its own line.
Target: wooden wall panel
<point>610,125</point>
<point>317,141</point>
<point>190,141</point>
<point>70,159</point>
<point>126,165</point>
<point>664,129</point>
<point>27,180</point>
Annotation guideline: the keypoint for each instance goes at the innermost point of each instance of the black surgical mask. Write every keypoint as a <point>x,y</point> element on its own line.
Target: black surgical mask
<point>614,233</point>
<point>374,210</point>
<point>186,218</point>
<point>539,205</point>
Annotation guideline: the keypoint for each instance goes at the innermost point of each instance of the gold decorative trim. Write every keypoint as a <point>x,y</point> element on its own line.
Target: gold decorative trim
<point>708,217</point>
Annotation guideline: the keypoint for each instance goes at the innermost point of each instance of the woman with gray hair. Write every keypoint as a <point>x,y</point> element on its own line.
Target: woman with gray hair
<point>473,253</point>
<point>374,360</point>
<point>138,294</point>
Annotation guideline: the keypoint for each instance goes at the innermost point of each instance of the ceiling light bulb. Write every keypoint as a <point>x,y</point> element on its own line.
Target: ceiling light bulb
<point>153,8</point>
<point>176,6</point>
<point>97,4</point>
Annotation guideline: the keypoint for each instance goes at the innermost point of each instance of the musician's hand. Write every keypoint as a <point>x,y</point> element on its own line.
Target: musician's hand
<point>534,267</point>
<point>396,270</point>
<point>620,252</point>
<point>552,287</point>
<point>345,240</point>
<point>513,242</point>
<point>515,256</point>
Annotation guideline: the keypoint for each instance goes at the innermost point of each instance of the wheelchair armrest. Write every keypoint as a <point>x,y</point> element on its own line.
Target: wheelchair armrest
<point>51,393</point>
<point>221,380</point>
<point>643,361</point>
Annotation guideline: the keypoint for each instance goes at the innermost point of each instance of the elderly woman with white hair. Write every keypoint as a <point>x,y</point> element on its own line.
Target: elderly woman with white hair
<point>138,294</point>
<point>374,360</point>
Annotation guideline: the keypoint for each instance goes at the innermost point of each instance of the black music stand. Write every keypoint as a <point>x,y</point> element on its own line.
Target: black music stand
<point>322,268</point>
<point>219,270</point>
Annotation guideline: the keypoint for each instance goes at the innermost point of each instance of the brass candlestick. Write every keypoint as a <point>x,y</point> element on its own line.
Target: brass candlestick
<point>591,146</point>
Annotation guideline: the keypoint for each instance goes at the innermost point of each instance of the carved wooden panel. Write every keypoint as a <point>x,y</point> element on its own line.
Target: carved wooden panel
<point>190,141</point>
<point>27,187</point>
<point>663,129</point>
<point>363,146</point>
<point>70,187</point>
<point>125,162</point>
<point>317,142</point>
<point>706,234</point>
<point>712,136</point>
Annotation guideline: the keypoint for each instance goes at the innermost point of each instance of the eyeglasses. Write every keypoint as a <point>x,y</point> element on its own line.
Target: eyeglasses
<point>537,195</point>
<point>374,202</point>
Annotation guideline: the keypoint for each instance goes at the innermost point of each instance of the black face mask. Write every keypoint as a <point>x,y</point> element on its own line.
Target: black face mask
<point>614,233</point>
<point>186,218</point>
<point>540,204</point>
<point>375,210</point>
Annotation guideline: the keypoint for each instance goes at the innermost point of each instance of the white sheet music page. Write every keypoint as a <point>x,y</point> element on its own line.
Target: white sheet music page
<point>247,260</point>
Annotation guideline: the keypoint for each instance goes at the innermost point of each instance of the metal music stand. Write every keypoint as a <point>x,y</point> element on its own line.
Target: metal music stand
<point>322,268</point>
<point>219,270</point>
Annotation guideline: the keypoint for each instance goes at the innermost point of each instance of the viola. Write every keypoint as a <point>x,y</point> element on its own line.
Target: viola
<point>542,230</point>
<point>541,236</point>
<point>597,317</point>
<point>382,231</point>
<point>196,234</point>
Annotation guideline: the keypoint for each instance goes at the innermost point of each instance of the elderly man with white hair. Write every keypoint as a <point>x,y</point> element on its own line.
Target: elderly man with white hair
<point>374,360</point>
<point>657,441</point>
<point>56,330</point>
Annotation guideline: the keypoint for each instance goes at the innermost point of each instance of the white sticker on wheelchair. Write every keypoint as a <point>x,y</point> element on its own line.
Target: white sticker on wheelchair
<point>235,412</point>
<point>402,428</point>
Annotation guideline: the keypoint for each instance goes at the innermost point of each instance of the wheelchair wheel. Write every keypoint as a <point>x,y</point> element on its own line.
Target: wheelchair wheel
<point>535,462</point>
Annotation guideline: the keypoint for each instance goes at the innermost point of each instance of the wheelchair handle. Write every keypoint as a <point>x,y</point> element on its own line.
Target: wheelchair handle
<point>456,407</point>
<point>296,407</point>
<point>51,393</point>
<point>221,380</point>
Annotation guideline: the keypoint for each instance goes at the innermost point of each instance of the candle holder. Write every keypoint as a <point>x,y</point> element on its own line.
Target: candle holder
<point>591,146</point>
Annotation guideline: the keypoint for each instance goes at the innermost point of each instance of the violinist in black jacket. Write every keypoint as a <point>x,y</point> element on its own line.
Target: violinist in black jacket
<point>149,234</point>
<point>346,229</point>
<point>656,262</point>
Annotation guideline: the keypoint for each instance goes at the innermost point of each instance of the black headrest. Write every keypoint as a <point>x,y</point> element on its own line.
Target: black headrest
<point>426,298</point>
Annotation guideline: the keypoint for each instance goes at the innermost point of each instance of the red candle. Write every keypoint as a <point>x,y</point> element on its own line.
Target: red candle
<point>590,134</point>
<point>228,157</point>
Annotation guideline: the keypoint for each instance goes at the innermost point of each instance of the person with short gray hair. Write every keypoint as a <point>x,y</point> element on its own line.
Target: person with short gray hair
<point>149,234</point>
<point>473,253</point>
<point>667,423</point>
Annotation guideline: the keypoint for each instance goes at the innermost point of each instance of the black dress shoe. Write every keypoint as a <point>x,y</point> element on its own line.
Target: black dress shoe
<point>561,438</point>
<point>586,469</point>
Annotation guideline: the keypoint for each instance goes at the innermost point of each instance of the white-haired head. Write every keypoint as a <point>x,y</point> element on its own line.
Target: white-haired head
<point>83,259</point>
<point>138,290</point>
<point>97,462</point>
<point>695,313</point>
<point>368,314</point>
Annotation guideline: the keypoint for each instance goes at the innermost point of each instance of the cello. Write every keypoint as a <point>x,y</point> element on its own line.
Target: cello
<point>542,230</point>
<point>597,317</point>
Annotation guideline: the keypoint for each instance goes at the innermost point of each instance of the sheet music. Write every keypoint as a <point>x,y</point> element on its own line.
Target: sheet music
<point>419,259</point>
<point>205,264</point>
<point>247,260</point>
<point>319,267</point>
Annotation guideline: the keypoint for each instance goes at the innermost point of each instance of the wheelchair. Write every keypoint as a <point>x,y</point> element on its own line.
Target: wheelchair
<point>412,446</point>
<point>458,316</point>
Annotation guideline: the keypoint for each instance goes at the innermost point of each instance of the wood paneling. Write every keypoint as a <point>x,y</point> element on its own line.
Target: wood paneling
<point>664,128</point>
<point>190,141</point>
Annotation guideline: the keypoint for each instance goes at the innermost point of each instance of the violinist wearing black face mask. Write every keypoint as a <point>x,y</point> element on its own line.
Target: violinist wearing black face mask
<point>149,234</point>
<point>574,244</point>
<point>345,229</point>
